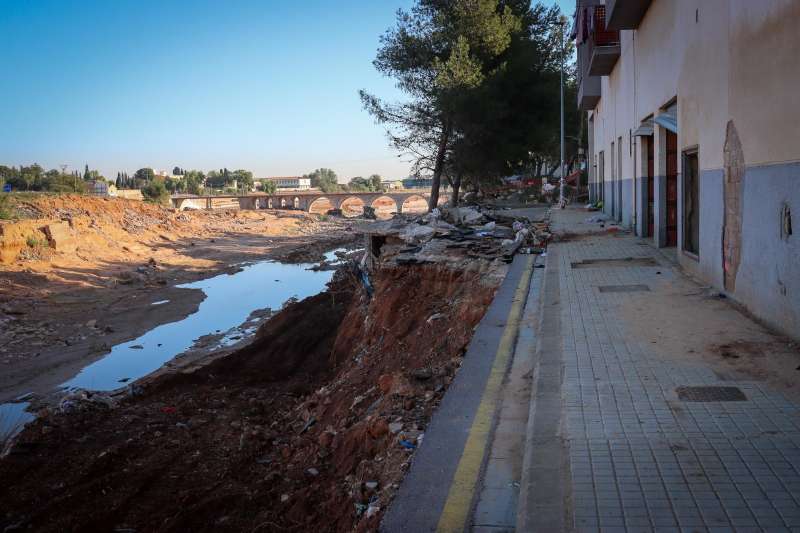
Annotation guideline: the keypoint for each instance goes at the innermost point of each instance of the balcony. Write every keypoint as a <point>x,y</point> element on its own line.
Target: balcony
<point>603,44</point>
<point>588,86</point>
<point>625,14</point>
<point>588,92</point>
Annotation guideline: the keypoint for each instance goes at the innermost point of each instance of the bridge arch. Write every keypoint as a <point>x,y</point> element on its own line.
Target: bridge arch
<point>296,202</point>
<point>384,206</point>
<point>283,203</point>
<point>416,203</point>
<point>352,206</point>
<point>320,205</point>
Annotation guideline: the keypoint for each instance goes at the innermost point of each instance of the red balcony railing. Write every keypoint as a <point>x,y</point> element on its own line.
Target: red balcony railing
<point>599,35</point>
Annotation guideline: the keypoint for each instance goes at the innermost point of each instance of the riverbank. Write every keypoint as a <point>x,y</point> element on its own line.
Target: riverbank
<point>63,305</point>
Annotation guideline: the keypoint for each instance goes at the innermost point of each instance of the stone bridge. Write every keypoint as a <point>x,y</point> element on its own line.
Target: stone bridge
<point>304,200</point>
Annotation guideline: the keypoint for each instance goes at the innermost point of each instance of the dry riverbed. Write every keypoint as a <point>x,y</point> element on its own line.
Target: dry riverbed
<point>112,271</point>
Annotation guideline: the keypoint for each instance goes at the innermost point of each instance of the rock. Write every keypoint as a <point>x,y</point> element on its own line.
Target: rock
<point>284,498</point>
<point>378,428</point>
<point>385,383</point>
<point>137,347</point>
<point>325,439</point>
<point>416,233</point>
<point>395,428</point>
<point>422,374</point>
<point>371,486</point>
<point>91,323</point>
<point>313,472</point>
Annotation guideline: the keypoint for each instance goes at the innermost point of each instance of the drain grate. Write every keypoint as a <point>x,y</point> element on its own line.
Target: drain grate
<point>711,394</point>
<point>623,288</point>
<point>617,262</point>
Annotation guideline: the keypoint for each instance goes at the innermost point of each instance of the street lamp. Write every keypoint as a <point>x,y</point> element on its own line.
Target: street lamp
<point>561,201</point>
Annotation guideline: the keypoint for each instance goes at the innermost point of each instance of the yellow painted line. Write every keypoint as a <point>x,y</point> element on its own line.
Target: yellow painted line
<point>459,498</point>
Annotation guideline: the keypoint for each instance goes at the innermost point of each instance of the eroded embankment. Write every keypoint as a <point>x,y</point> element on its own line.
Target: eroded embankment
<point>309,428</point>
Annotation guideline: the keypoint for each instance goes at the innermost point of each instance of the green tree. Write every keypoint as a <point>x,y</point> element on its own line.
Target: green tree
<point>156,191</point>
<point>377,182</point>
<point>195,181</point>
<point>244,179</point>
<point>143,176</point>
<point>268,186</point>
<point>325,179</point>
<point>217,179</point>
<point>438,53</point>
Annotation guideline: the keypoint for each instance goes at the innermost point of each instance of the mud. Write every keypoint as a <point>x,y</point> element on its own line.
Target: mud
<point>310,427</point>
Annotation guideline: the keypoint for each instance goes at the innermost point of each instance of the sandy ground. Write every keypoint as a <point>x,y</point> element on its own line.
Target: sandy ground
<point>61,310</point>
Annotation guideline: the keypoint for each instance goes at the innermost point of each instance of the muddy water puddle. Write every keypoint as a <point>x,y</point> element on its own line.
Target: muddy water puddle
<point>234,305</point>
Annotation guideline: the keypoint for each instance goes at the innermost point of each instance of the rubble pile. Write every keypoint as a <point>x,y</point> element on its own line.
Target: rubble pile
<point>454,235</point>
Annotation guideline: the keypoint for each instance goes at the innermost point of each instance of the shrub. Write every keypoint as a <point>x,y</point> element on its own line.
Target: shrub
<point>155,191</point>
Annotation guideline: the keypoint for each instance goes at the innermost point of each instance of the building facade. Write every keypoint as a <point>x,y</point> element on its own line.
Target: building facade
<point>694,136</point>
<point>295,183</point>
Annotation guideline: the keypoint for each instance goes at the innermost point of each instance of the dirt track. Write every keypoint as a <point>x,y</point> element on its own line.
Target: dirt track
<point>63,304</point>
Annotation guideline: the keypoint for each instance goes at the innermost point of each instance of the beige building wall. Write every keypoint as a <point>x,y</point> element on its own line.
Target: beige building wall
<point>733,67</point>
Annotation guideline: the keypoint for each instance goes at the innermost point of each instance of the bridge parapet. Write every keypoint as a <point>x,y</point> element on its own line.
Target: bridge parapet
<point>294,200</point>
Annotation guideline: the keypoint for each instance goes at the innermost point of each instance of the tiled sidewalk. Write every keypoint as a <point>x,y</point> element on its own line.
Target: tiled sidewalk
<point>641,458</point>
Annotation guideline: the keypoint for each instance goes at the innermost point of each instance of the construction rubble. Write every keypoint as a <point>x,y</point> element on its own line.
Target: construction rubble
<point>453,235</point>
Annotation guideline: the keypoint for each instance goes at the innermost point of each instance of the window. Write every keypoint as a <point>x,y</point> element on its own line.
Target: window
<point>691,203</point>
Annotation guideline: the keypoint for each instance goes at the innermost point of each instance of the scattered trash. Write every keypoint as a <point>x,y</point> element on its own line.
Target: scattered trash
<point>406,444</point>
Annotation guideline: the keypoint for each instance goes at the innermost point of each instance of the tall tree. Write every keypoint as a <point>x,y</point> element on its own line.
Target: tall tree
<point>324,179</point>
<point>438,52</point>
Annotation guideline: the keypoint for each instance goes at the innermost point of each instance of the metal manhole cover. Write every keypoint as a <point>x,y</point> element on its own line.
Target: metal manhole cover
<point>711,394</point>
<point>623,288</point>
<point>617,262</point>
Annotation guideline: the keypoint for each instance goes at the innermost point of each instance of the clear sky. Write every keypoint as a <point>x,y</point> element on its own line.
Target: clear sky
<point>266,85</point>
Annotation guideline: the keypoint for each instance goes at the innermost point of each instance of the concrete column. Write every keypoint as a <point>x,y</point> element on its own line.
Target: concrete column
<point>208,203</point>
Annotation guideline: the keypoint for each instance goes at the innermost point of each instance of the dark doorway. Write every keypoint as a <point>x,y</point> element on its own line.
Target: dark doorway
<point>651,188</point>
<point>691,203</point>
<point>619,179</point>
<point>672,189</point>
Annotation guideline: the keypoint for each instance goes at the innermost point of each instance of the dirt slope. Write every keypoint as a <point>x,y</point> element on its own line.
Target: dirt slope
<point>308,429</point>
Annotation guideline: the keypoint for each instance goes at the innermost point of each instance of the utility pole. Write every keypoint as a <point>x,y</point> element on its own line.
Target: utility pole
<point>562,202</point>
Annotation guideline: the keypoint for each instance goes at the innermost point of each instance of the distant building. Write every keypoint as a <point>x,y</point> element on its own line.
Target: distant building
<point>97,188</point>
<point>296,183</point>
<point>392,184</point>
<point>417,183</point>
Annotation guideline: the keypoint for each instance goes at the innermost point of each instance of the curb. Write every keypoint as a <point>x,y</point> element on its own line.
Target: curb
<point>545,467</point>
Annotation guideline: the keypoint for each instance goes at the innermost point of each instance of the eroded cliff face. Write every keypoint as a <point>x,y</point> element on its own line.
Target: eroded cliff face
<point>311,427</point>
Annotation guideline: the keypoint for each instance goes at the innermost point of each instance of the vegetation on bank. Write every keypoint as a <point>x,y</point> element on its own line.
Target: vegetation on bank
<point>481,80</point>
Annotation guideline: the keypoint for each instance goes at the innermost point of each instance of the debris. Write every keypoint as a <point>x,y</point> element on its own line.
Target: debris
<point>397,427</point>
<point>422,374</point>
<point>435,316</point>
<point>406,444</point>
<point>313,472</point>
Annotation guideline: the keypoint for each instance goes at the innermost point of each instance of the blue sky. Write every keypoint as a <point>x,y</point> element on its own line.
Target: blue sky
<point>266,85</point>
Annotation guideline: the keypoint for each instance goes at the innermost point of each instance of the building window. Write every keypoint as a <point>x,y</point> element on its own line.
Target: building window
<point>691,203</point>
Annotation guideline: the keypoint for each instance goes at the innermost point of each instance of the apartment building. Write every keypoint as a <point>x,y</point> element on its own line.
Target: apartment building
<point>694,137</point>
